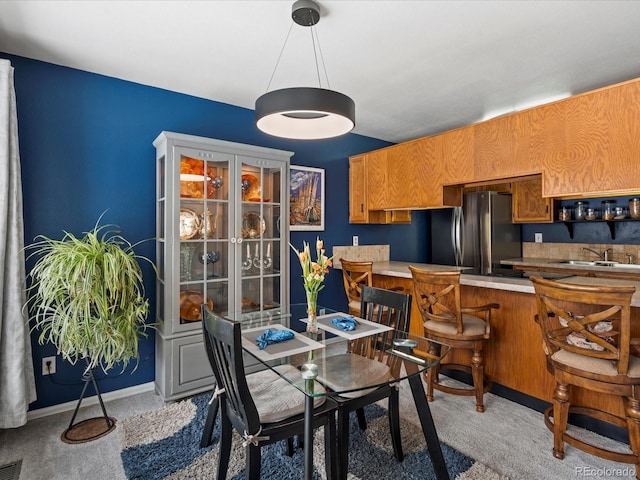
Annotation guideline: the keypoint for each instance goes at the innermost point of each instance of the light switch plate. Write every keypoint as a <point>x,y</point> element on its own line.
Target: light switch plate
<point>538,237</point>
<point>355,240</point>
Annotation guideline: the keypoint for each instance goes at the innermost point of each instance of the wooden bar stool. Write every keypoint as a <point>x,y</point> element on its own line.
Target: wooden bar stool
<point>437,295</point>
<point>587,342</point>
<point>355,275</point>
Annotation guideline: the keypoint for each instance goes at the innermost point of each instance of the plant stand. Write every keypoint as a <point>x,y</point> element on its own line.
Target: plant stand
<point>92,428</point>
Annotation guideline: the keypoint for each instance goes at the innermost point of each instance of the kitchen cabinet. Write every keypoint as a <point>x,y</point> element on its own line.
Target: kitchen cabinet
<point>602,145</point>
<point>586,144</point>
<point>367,194</point>
<point>502,148</point>
<point>528,204</point>
<point>358,209</point>
<point>222,240</point>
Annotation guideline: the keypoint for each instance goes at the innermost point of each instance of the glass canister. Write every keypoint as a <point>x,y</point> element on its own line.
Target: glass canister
<point>564,214</point>
<point>608,207</point>
<point>580,210</point>
<point>634,208</point>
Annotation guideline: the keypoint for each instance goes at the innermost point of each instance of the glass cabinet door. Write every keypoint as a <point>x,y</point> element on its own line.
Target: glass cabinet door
<point>203,257</point>
<point>260,253</point>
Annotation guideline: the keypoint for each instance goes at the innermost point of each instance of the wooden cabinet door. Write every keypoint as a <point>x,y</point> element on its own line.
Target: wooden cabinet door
<point>357,189</point>
<point>528,205</point>
<point>602,143</point>
<point>404,182</point>
<point>377,193</point>
<point>457,155</point>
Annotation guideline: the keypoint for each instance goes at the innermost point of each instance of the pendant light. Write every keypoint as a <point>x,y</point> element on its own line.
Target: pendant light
<point>305,113</point>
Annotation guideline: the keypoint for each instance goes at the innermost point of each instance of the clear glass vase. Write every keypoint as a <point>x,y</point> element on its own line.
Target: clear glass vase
<point>312,324</point>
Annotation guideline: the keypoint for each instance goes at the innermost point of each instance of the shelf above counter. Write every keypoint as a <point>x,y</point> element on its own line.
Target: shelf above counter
<point>611,223</point>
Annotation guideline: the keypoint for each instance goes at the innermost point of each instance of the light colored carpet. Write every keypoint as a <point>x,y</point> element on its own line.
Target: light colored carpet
<point>509,438</point>
<point>162,444</point>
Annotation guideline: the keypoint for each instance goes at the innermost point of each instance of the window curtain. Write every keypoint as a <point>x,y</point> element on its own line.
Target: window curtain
<point>17,383</point>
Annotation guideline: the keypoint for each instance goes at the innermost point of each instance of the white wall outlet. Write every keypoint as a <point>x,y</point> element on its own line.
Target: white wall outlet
<point>538,237</point>
<point>355,240</point>
<point>52,366</point>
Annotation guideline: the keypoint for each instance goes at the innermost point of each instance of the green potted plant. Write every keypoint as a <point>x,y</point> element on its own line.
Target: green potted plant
<point>87,298</point>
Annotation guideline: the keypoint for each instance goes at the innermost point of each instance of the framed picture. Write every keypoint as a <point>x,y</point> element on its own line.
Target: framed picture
<point>306,198</point>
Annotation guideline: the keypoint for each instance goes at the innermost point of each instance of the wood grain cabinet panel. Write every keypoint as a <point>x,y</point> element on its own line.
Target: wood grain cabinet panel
<point>367,195</point>
<point>376,178</point>
<point>405,177</point>
<point>602,143</point>
<point>357,190</point>
<point>502,148</point>
<point>528,205</point>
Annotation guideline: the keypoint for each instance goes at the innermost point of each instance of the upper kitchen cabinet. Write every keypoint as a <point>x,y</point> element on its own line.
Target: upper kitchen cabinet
<point>358,209</point>
<point>602,143</point>
<point>502,148</point>
<point>367,192</point>
<point>528,205</point>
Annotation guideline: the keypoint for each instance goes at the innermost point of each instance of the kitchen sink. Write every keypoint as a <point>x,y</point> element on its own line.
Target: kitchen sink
<point>583,263</point>
<point>597,263</point>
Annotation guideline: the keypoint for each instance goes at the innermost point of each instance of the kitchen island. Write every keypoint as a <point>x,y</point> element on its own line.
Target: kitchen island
<point>514,357</point>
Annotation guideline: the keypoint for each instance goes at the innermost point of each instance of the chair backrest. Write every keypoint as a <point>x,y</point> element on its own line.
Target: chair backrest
<point>355,275</point>
<point>225,342</point>
<point>388,308</point>
<point>437,295</point>
<point>593,321</point>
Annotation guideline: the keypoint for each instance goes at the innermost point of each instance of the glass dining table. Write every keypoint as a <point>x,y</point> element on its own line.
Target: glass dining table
<point>308,352</point>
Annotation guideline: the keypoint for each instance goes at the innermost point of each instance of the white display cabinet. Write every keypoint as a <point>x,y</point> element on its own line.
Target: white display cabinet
<point>222,239</point>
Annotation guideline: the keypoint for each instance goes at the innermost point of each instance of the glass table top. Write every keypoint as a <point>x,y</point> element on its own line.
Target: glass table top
<point>330,353</point>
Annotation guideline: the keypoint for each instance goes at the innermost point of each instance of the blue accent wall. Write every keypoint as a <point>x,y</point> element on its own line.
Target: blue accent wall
<point>86,147</point>
<point>626,232</point>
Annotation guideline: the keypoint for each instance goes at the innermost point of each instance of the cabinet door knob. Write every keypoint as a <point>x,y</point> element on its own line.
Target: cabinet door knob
<point>233,240</point>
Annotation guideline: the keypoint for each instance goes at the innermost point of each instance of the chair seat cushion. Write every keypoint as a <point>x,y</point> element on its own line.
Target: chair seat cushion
<point>275,398</point>
<point>595,365</point>
<point>349,370</point>
<point>472,326</point>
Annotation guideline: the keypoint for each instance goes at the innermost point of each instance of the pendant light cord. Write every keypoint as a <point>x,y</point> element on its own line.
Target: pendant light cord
<point>279,57</point>
<point>314,39</point>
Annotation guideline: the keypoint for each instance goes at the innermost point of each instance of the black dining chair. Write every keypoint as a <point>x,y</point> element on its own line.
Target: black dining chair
<point>368,363</point>
<point>254,380</point>
<point>265,412</point>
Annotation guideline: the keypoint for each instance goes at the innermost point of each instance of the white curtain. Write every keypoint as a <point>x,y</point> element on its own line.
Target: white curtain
<point>17,384</point>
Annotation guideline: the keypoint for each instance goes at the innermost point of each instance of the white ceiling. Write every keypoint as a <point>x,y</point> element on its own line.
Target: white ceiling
<point>413,68</point>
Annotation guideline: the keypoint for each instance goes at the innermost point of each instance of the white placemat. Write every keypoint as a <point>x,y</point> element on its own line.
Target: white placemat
<point>364,328</point>
<point>300,343</point>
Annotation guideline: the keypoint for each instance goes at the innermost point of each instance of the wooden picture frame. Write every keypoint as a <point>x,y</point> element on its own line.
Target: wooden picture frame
<point>306,198</point>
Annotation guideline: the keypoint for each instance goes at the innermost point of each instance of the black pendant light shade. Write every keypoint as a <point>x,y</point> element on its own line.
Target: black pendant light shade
<point>305,113</point>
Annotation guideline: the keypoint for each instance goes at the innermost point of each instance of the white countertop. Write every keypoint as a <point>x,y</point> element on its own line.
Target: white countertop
<point>556,264</point>
<point>523,285</point>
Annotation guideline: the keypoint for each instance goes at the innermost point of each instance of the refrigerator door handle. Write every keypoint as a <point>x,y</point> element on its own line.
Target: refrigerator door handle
<point>456,235</point>
<point>461,235</point>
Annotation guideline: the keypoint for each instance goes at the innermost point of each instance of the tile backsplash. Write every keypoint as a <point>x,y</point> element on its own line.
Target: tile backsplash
<point>574,251</point>
<point>362,253</point>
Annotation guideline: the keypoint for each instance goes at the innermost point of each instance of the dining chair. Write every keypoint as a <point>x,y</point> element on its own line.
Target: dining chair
<point>586,331</point>
<point>437,295</point>
<point>264,412</point>
<point>368,363</point>
<point>355,275</point>
<point>254,380</point>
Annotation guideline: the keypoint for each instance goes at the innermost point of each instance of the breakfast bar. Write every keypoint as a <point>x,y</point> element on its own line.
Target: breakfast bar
<point>514,356</point>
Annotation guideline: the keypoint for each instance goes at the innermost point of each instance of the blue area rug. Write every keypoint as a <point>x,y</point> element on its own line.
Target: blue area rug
<point>164,444</point>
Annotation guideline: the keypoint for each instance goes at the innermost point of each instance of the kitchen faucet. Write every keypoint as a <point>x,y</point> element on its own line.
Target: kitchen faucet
<point>603,256</point>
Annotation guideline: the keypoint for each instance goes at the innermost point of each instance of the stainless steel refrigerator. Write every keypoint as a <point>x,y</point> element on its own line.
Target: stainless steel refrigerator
<point>478,235</point>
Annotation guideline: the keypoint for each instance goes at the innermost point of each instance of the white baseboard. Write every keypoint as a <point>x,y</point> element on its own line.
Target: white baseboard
<point>89,401</point>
